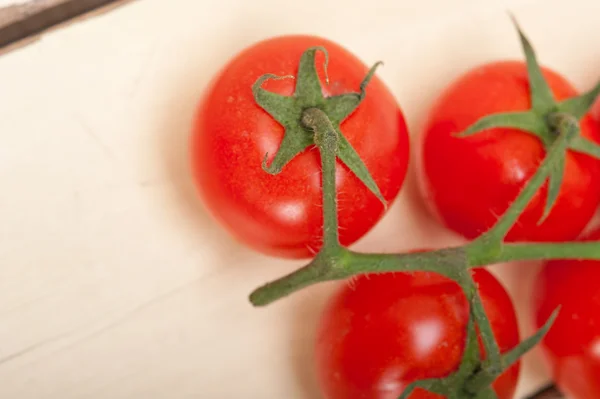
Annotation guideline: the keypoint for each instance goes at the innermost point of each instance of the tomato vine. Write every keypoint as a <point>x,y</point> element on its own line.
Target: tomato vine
<point>312,119</point>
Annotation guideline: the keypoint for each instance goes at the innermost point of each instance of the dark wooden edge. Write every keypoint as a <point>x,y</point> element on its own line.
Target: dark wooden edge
<point>39,21</point>
<point>547,392</point>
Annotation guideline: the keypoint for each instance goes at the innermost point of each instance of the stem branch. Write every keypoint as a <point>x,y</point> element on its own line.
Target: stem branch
<point>543,251</point>
<point>557,126</point>
<point>310,274</point>
<point>440,261</point>
<point>565,127</point>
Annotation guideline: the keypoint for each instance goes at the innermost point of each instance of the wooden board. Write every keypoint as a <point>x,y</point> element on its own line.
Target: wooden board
<point>23,19</point>
<point>114,281</point>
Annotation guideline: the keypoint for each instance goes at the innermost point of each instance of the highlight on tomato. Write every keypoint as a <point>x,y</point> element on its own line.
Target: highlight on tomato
<point>572,346</point>
<point>380,332</point>
<point>281,214</point>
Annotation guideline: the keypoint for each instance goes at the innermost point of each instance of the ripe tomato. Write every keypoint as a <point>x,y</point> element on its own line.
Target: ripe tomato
<point>381,332</point>
<point>596,111</point>
<point>281,214</point>
<point>469,182</point>
<point>572,346</point>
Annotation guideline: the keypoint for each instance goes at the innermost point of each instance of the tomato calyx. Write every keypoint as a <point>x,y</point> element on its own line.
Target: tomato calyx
<point>544,119</point>
<point>290,111</point>
<point>456,384</point>
<point>475,376</point>
<point>490,245</point>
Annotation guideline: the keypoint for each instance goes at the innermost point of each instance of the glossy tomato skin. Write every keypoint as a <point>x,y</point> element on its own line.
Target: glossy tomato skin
<point>595,112</point>
<point>469,182</point>
<point>381,332</point>
<point>572,346</point>
<point>281,215</point>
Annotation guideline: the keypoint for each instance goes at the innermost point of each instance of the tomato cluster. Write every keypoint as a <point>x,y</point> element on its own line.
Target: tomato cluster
<point>380,332</point>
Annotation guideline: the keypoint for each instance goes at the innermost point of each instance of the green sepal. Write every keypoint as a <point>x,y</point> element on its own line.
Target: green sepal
<point>568,125</point>
<point>339,108</point>
<point>585,146</point>
<point>291,145</point>
<point>492,350</point>
<point>484,378</point>
<point>527,121</point>
<point>308,87</point>
<point>284,110</point>
<point>542,99</point>
<point>471,358</point>
<point>352,160</point>
<point>487,393</point>
<point>511,357</point>
<point>554,183</point>
<point>288,110</point>
<point>580,105</point>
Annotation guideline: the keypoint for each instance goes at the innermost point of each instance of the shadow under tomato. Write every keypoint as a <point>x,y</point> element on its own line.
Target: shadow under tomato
<point>413,194</point>
<point>190,76</point>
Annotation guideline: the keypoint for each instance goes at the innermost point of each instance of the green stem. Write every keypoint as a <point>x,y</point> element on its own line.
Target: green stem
<point>566,127</point>
<point>482,380</point>
<point>316,271</point>
<point>487,393</point>
<point>447,262</point>
<point>538,251</point>
<point>493,361</point>
<point>326,139</point>
<point>492,350</point>
<point>440,261</point>
<point>556,123</point>
<point>347,263</point>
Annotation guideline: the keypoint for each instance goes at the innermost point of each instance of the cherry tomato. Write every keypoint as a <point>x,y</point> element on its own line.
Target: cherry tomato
<point>572,346</point>
<point>596,111</point>
<point>380,332</point>
<point>469,182</point>
<point>281,215</point>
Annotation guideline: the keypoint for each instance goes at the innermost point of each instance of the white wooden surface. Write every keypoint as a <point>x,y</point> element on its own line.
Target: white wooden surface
<point>114,283</point>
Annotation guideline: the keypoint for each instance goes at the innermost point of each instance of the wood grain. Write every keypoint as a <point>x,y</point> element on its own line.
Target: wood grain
<point>115,283</point>
<point>20,21</point>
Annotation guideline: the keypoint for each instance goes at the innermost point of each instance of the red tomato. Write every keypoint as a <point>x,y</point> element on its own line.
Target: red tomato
<point>281,215</point>
<point>381,332</point>
<point>596,111</point>
<point>572,346</point>
<point>469,182</point>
